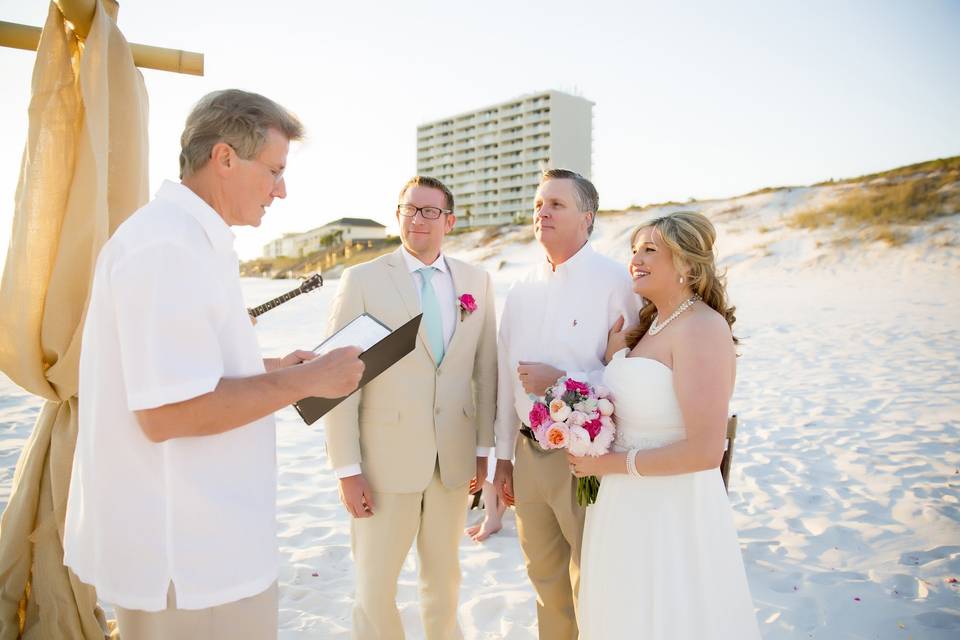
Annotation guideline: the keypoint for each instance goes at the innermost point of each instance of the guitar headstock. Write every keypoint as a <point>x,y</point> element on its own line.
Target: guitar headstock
<point>311,283</point>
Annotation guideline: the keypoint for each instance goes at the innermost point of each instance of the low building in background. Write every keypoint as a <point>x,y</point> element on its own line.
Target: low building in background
<point>348,231</point>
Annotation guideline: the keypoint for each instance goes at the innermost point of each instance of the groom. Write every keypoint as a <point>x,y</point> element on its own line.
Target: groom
<point>407,446</point>
<point>555,322</point>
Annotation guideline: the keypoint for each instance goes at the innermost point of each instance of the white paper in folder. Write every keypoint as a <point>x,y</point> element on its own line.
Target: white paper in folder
<point>364,331</point>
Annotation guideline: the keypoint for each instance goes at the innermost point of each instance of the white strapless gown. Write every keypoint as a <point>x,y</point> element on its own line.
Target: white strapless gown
<point>660,558</point>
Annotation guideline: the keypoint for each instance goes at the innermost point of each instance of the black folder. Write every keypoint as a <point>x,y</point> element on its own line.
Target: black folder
<point>376,360</point>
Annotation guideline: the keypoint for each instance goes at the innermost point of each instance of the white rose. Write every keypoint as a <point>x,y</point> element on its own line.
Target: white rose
<point>559,410</point>
<point>579,443</point>
<point>605,407</point>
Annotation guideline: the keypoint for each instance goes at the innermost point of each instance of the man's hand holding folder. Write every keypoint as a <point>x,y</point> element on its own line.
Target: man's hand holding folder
<point>379,349</point>
<point>334,374</point>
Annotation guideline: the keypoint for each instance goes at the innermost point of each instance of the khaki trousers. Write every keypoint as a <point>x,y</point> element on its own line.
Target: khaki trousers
<point>550,526</point>
<point>435,519</point>
<point>253,618</point>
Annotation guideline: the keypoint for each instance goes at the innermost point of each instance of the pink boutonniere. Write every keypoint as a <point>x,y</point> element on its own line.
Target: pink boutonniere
<point>467,305</point>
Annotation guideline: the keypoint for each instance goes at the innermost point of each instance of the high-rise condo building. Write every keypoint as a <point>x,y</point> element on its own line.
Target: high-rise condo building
<point>492,158</point>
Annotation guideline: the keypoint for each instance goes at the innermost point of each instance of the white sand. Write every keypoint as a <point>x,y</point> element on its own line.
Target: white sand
<point>847,466</point>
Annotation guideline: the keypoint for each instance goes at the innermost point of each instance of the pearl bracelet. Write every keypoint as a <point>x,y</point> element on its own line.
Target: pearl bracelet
<point>632,463</point>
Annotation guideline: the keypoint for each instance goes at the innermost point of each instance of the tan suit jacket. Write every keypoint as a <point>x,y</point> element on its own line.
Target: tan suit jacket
<point>415,413</point>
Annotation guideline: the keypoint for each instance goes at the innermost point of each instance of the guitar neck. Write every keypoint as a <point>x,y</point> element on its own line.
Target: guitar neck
<point>276,302</point>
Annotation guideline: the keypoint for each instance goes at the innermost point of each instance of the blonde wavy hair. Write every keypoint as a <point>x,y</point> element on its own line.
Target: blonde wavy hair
<point>690,237</point>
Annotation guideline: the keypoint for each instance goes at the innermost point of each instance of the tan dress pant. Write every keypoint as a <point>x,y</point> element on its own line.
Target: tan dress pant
<point>435,519</point>
<point>550,526</point>
<point>253,618</point>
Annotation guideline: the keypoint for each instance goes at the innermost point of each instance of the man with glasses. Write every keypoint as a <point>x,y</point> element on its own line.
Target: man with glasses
<point>410,444</point>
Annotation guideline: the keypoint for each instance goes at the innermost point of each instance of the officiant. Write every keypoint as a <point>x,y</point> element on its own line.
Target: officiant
<point>171,511</point>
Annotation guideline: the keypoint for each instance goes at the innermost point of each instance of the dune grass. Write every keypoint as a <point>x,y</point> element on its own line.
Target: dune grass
<point>903,196</point>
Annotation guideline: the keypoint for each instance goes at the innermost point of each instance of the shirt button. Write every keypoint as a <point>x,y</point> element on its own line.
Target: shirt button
<point>436,411</point>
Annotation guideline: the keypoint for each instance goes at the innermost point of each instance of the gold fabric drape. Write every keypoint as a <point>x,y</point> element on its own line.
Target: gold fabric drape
<point>84,171</point>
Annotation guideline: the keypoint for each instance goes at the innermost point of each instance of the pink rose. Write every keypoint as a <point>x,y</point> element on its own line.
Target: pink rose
<point>468,303</point>
<point>579,387</point>
<point>539,414</point>
<point>593,428</point>
<point>541,435</point>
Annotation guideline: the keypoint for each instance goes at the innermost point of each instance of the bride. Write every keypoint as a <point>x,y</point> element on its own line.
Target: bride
<point>660,558</point>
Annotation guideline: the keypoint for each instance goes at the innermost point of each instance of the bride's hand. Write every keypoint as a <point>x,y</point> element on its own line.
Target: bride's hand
<point>616,339</point>
<point>587,465</point>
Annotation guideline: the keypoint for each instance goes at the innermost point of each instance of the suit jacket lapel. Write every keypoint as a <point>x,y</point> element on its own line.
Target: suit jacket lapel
<point>461,285</point>
<point>403,281</point>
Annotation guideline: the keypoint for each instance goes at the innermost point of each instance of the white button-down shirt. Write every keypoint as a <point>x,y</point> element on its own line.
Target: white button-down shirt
<point>166,322</point>
<point>562,318</point>
<point>449,308</point>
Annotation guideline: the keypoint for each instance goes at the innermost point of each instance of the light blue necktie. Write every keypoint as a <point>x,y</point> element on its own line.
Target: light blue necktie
<point>431,313</point>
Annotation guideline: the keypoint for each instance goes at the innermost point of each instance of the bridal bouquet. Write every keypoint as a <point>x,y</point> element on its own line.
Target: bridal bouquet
<point>575,416</point>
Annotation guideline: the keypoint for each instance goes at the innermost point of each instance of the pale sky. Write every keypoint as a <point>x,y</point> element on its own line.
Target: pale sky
<point>693,99</point>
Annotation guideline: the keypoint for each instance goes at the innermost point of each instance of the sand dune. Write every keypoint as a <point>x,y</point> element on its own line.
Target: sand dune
<point>846,479</point>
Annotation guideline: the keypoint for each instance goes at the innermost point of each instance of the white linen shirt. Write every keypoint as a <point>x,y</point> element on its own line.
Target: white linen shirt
<point>562,318</point>
<point>166,322</point>
<point>449,308</point>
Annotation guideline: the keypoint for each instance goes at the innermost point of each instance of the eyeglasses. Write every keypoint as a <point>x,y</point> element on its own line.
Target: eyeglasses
<point>428,213</point>
<point>276,173</point>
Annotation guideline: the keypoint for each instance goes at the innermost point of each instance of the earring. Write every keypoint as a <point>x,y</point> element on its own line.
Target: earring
<point>681,279</point>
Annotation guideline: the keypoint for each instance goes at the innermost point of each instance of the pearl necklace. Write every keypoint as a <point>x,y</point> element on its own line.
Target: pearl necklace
<point>686,304</point>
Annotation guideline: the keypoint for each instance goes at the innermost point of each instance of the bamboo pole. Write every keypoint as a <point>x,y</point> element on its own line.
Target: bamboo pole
<point>20,36</point>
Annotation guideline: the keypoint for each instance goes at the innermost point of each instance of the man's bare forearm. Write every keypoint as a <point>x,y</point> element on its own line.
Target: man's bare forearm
<point>234,403</point>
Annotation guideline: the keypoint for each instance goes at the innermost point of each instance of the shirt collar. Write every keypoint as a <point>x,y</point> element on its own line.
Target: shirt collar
<point>414,264</point>
<point>218,232</point>
<point>572,263</point>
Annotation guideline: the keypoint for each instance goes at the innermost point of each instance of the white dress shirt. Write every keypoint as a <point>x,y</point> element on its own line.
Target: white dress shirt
<point>166,322</point>
<point>443,287</point>
<point>562,318</point>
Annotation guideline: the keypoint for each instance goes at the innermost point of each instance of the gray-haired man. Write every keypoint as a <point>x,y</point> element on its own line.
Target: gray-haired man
<point>171,511</point>
<point>555,322</point>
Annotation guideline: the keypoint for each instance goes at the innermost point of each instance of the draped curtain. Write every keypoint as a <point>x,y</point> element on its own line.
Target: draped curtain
<point>84,171</point>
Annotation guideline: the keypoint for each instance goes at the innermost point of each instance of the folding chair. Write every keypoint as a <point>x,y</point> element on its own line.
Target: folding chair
<point>728,454</point>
